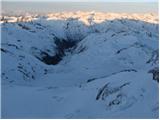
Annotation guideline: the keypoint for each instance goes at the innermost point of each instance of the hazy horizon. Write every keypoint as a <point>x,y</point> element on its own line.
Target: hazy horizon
<point>43,7</point>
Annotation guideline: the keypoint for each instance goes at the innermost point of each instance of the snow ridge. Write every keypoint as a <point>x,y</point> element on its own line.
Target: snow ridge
<point>80,65</point>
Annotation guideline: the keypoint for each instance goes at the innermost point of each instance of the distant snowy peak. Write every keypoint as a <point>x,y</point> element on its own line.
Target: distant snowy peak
<point>80,65</point>
<point>82,37</point>
<point>86,17</point>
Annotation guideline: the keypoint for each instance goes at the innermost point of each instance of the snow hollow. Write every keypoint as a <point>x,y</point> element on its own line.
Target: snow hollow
<point>80,65</point>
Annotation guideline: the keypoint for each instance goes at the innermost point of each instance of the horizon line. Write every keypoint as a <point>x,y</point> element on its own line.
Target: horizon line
<point>114,1</point>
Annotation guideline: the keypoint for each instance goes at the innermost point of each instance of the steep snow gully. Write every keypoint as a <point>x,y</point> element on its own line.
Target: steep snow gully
<point>68,68</point>
<point>61,47</point>
<point>67,44</point>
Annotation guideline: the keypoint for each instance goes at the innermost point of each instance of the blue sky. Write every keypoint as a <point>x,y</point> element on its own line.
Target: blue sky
<point>101,5</point>
<point>39,6</point>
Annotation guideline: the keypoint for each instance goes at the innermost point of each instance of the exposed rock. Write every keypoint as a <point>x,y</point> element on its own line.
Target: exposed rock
<point>106,90</point>
<point>155,72</point>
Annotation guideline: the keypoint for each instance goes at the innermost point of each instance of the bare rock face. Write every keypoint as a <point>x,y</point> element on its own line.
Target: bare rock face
<point>155,72</point>
<point>154,58</point>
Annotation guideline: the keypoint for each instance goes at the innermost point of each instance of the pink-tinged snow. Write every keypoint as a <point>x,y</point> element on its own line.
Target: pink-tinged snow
<point>112,50</point>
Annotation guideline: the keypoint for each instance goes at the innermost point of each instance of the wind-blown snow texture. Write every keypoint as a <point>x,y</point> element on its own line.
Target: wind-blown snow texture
<point>80,65</point>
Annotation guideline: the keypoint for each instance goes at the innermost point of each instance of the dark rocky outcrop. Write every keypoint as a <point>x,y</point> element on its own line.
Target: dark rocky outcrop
<point>61,47</point>
<point>155,72</point>
<point>106,90</point>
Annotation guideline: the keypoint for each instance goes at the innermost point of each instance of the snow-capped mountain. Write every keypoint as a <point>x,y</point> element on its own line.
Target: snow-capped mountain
<point>80,65</point>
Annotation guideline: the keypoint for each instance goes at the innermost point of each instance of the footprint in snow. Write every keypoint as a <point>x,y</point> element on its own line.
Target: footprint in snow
<point>57,98</point>
<point>68,116</point>
<point>48,88</point>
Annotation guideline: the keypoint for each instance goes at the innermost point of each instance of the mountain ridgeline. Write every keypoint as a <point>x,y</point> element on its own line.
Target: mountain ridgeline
<point>58,62</point>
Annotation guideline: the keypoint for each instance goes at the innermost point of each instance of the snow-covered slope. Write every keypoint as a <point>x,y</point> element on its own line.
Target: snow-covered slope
<point>80,65</point>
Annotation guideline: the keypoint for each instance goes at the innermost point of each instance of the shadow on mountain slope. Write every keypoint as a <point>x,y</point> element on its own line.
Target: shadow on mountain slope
<point>73,31</point>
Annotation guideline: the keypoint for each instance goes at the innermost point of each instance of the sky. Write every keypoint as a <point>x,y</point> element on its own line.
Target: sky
<point>43,6</point>
<point>88,0</point>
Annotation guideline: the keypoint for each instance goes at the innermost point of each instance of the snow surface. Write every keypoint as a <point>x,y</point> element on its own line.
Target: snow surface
<point>104,75</point>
